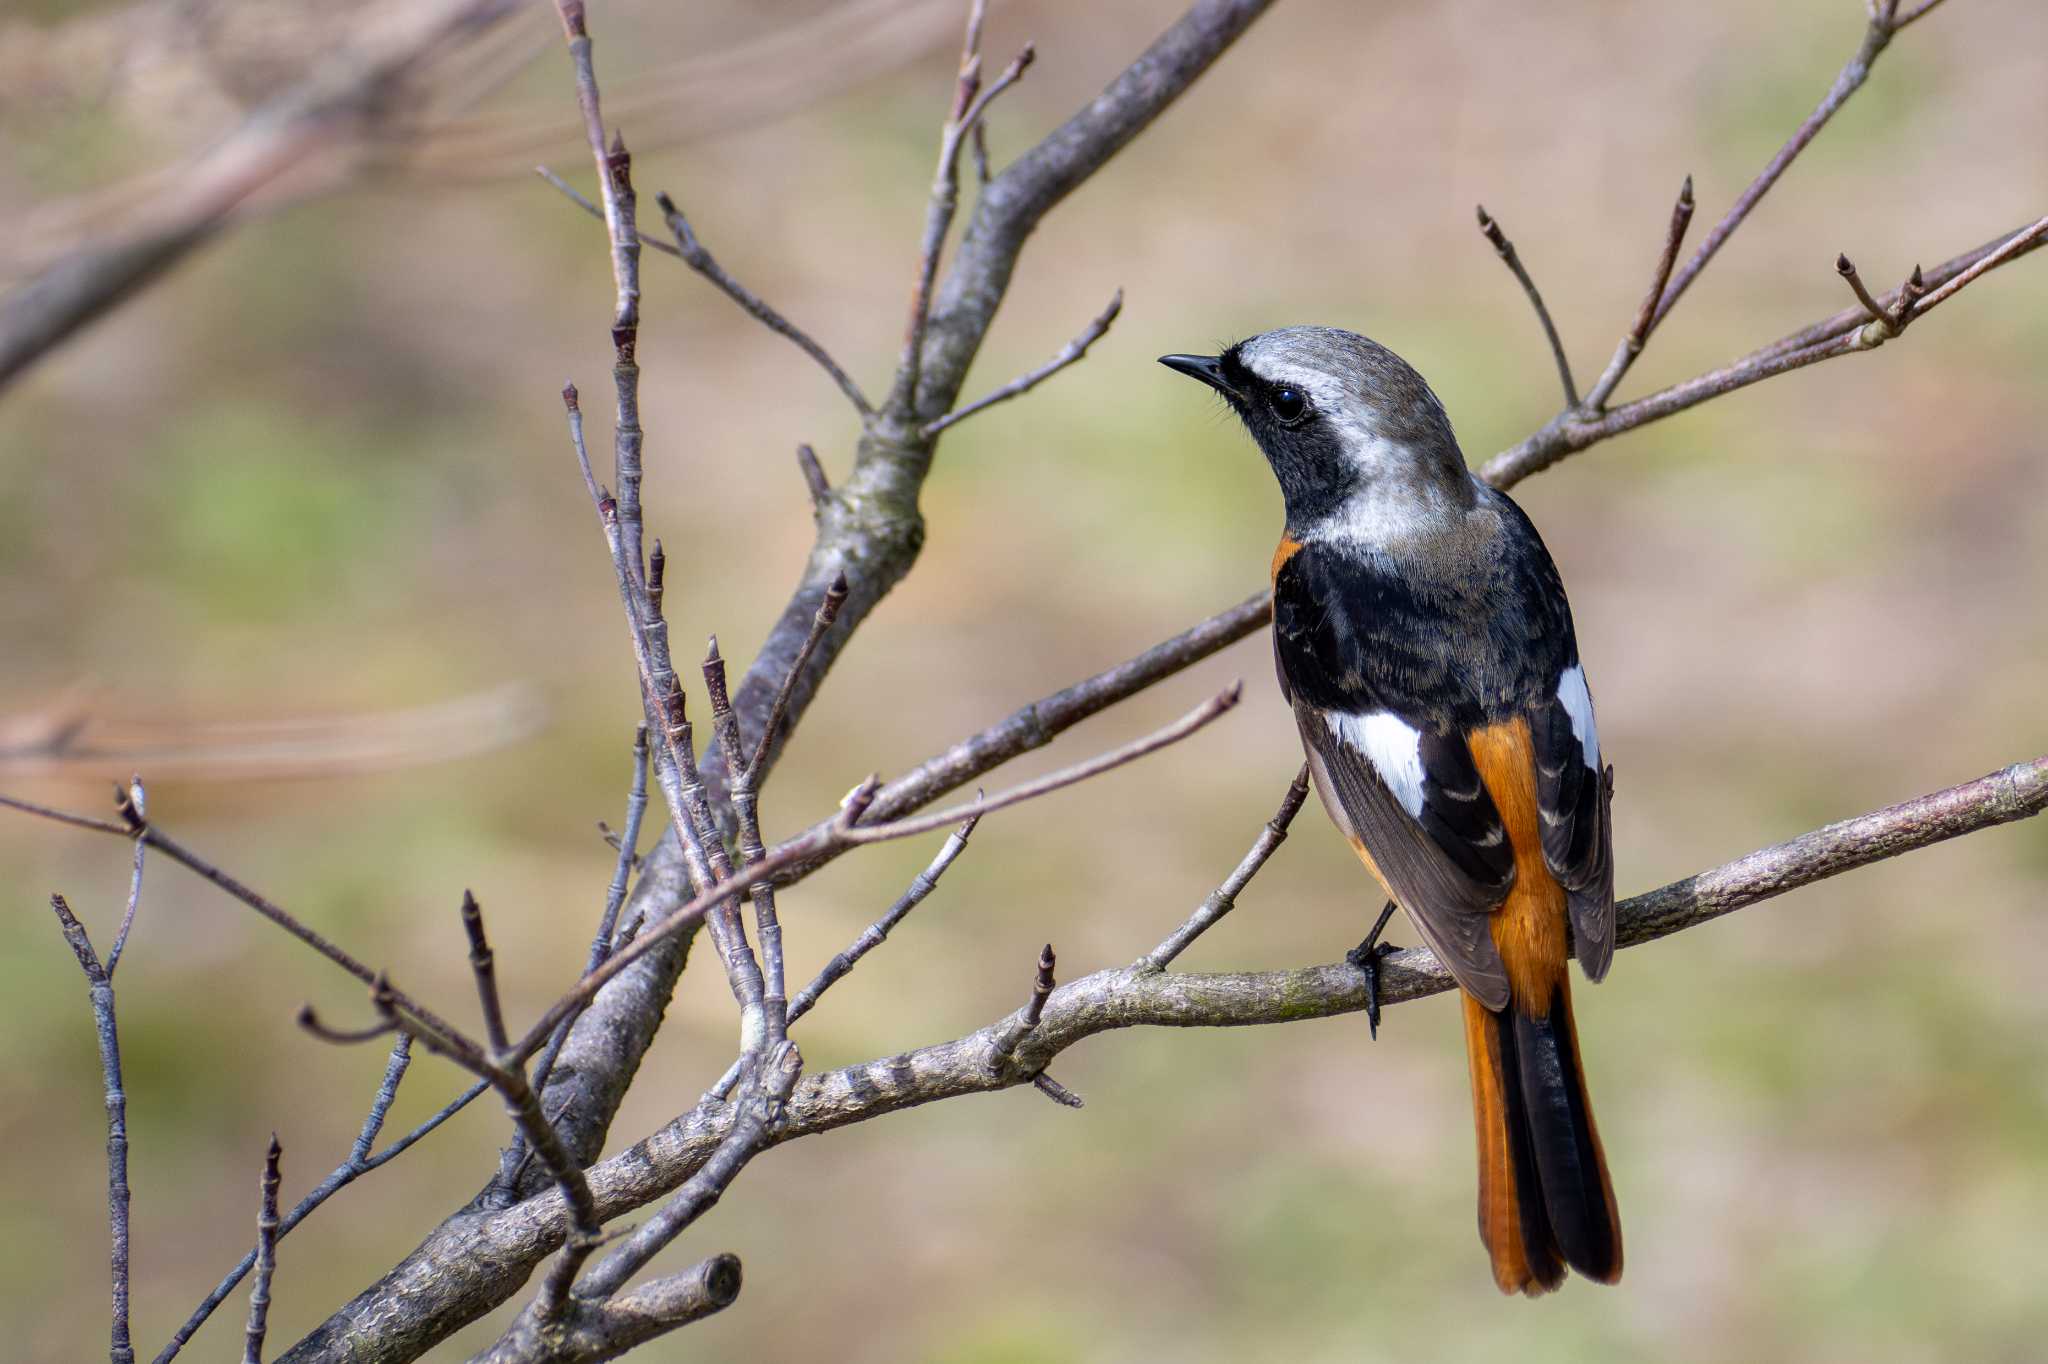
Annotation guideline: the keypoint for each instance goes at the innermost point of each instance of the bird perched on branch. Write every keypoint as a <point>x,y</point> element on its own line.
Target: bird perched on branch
<point>1423,638</point>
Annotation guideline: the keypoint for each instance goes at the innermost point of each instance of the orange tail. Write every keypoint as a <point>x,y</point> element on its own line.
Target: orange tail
<point>1545,1201</point>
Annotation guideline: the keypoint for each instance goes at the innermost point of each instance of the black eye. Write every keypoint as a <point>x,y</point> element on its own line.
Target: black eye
<point>1288,404</point>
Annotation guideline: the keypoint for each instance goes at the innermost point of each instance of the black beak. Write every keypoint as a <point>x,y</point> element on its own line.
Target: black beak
<point>1207,368</point>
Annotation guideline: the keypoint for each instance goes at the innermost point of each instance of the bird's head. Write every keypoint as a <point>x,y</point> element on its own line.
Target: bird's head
<point>1336,415</point>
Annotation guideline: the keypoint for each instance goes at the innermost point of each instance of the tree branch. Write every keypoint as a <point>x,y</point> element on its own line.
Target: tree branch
<point>869,528</point>
<point>1845,333</point>
<point>202,197</point>
<point>479,1261</point>
<point>1877,35</point>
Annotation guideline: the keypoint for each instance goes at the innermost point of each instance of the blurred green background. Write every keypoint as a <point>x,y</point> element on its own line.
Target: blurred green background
<point>320,471</point>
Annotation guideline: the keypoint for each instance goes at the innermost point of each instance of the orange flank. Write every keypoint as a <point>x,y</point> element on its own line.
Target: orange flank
<point>1529,929</point>
<point>1289,547</point>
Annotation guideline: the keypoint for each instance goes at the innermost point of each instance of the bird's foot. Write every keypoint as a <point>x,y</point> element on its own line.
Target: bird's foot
<point>1366,957</point>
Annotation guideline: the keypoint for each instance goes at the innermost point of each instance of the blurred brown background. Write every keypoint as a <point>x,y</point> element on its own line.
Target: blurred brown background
<point>321,471</point>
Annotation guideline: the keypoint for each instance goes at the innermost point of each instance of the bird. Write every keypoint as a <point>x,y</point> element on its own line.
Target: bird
<point>1424,641</point>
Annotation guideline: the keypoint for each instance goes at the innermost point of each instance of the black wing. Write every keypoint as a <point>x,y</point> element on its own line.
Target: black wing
<point>1449,865</point>
<point>1574,792</point>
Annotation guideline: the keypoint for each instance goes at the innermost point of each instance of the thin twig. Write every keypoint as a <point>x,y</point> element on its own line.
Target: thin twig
<point>1224,898</point>
<point>1845,333</point>
<point>576,197</point>
<point>1070,353</point>
<point>828,612</point>
<point>698,258</point>
<point>682,786</point>
<point>2020,242</point>
<point>100,988</point>
<point>1877,35</point>
<point>814,475</point>
<point>1053,781</point>
<point>601,942</point>
<point>1026,1020</point>
<point>1039,723</point>
<point>266,1256</point>
<point>747,815</point>
<point>359,1162</point>
<point>1057,1092</point>
<point>753,1123</point>
<point>506,1074</point>
<point>134,808</point>
<point>1505,249</point>
<point>1647,314</point>
<point>970,102</point>
<point>1846,268</point>
<point>871,937</point>
<point>483,966</point>
<point>877,932</point>
<point>842,831</point>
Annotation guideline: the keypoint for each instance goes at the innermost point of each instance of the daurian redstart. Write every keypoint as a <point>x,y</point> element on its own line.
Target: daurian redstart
<point>1423,638</point>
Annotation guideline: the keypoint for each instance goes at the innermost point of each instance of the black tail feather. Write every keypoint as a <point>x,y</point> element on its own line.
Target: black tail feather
<point>1557,1148</point>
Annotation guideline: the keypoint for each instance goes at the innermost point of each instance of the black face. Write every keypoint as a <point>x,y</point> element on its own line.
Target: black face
<point>1306,454</point>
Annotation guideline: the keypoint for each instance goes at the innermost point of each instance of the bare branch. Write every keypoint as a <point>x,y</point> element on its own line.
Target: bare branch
<point>1918,12</point>
<point>1053,781</point>
<point>618,208</point>
<point>1038,724</point>
<point>615,894</point>
<point>753,1122</point>
<point>870,938</point>
<point>596,1331</point>
<point>1070,353</point>
<point>771,729</point>
<point>576,197</point>
<point>842,832</point>
<point>480,1261</point>
<point>134,807</point>
<point>1646,316</point>
<point>359,1162</point>
<point>266,1256</point>
<point>814,475</point>
<point>1877,35</point>
<point>100,987</point>
<point>1505,249</point>
<point>1027,1019</point>
<point>970,102</point>
<point>1846,268</point>
<point>695,255</point>
<point>1224,898</point>
<point>199,199</point>
<point>877,932</point>
<point>746,812</point>
<point>483,966</point>
<point>1843,334</point>
<point>870,523</point>
<point>2021,242</point>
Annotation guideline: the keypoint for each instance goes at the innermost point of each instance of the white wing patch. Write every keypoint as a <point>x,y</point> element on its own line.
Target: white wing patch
<point>1578,704</point>
<point>1394,748</point>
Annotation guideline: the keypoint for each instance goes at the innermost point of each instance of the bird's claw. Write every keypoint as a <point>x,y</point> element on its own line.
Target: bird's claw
<point>1366,957</point>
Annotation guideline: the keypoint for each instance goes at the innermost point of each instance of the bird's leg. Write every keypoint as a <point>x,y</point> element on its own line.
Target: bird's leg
<point>1366,957</point>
